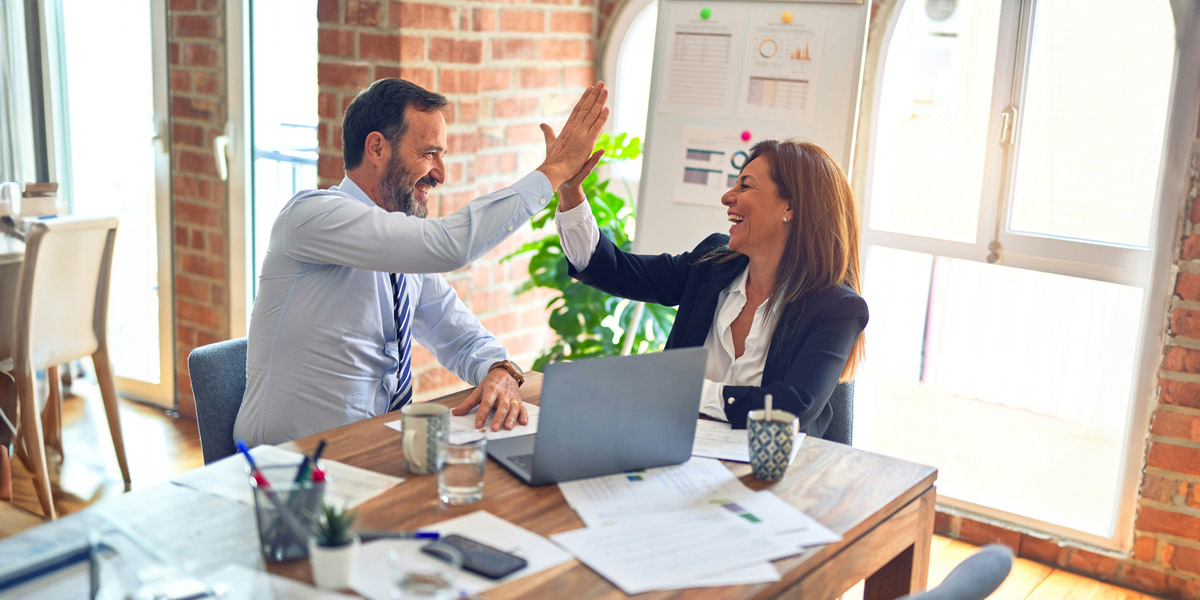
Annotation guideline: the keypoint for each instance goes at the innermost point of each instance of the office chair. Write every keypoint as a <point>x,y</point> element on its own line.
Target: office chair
<point>975,578</point>
<point>841,428</point>
<point>218,373</point>
<point>62,315</point>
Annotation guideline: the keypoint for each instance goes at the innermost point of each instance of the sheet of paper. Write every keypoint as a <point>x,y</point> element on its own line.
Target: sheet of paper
<point>699,58</point>
<point>766,512</point>
<point>371,572</point>
<point>779,76</point>
<point>236,582</point>
<point>461,426</point>
<point>760,573</point>
<point>712,159</point>
<point>670,551</point>
<point>606,500</point>
<point>227,477</point>
<point>715,439</point>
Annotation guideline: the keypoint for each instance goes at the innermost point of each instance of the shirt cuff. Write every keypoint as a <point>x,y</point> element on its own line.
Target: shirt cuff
<point>535,190</point>
<point>711,404</point>
<point>578,233</point>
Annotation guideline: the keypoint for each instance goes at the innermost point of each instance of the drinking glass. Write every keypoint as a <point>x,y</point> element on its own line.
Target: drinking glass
<point>461,479</point>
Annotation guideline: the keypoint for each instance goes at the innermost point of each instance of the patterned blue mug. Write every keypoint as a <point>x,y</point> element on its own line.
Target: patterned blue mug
<point>425,429</point>
<point>771,442</point>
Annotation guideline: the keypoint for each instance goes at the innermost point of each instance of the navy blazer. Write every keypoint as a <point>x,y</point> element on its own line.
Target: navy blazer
<point>808,349</point>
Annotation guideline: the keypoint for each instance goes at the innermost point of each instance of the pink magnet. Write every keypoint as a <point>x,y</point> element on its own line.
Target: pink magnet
<point>745,136</point>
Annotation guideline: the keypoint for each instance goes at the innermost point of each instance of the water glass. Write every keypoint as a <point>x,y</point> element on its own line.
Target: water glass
<point>461,478</point>
<point>279,539</point>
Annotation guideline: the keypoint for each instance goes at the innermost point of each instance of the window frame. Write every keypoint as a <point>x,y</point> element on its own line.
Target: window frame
<point>1148,268</point>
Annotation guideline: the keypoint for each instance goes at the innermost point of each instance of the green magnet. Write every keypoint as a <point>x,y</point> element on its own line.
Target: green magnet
<point>705,13</point>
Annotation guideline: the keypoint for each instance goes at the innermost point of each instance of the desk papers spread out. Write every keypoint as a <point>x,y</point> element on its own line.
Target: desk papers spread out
<point>715,439</point>
<point>460,426</point>
<point>236,582</point>
<point>704,514</point>
<point>371,577</point>
<point>227,477</point>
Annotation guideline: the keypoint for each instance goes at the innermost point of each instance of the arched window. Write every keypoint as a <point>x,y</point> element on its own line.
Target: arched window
<point>627,63</point>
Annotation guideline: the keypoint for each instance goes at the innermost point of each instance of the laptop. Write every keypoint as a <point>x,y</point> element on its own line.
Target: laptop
<point>608,415</point>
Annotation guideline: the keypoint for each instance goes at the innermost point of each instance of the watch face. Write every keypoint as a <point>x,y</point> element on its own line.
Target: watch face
<point>940,10</point>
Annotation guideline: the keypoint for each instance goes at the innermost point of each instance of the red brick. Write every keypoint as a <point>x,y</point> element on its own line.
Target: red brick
<point>327,106</point>
<point>507,108</point>
<point>531,21</point>
<point>506,163</point>
<point>188,135</point>
<point>207,82</point>
<point>412,15</point>
<point>456,51</point>
<point>579,76</point>
<point>196,214</point>
<point>185,336</point>
<point>1182,558</point>
<point>979,534</point>
<point>1096,565</point>
<point>1145,579</point>
<point>364,12</point>
<point>196,314</point>
<point>501,324</point>
<point>200,163</point>
<point>518,49</point>
<point>210,6</point>
<point>483,19</point>
<point>552,49</point>
<point>589,53</point>
<point>491,80</point>
<point>195,26</point>
<point>1177,587</point>
<point>343,75</point>
<point>484,165</point>
<point>386,72</point>
<point>1186,322</point>
<point>1155,520</point>
<point>412,48</point>
<point>329,11</point>
<point>181,236</point>
<point>468,111</point>
<point>174,53</point>
<point>181,80</point>
<point>330,167</point>
<point>1179,393</point>
<point>533,77</point>
<point>201,55</point>
<point>463,143</point>
<point>572,22</point>
<point>1187,286</point>
<point>1042,550</point>
<point>1145,548</point>
<point>1183,360</point>
<point>204,266</point>
<point>1171,424</point>
<point>182,5</point>
<point>1193,497</point>
<point>527,133</point>
<point>1170,457</point>
<point>384,47</point>
<point>335,42</point>
<point>1191,247</point>
<point>216,243</point>
<point>1194,211</point>
<point>197,240</point>
<point>458,81</point>
<point>1159,489</point>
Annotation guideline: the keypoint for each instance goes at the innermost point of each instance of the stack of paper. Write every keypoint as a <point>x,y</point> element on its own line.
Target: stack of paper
<point>715,439</point>
<point>689,525</point>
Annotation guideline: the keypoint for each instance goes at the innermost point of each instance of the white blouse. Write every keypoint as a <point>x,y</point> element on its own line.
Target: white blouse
<point>579,234</point>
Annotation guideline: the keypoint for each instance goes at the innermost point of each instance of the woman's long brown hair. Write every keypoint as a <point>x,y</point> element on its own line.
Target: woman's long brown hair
<point>823,234</point>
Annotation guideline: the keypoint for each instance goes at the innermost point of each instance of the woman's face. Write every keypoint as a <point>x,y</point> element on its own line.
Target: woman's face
<point>756,211</point>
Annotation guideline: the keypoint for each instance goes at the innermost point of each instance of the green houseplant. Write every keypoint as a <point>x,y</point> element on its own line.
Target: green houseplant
<point>333,549</point>
<point>588,322</point>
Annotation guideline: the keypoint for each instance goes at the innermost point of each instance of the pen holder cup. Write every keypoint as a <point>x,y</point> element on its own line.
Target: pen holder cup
<point>771,442</point>
<point>281,538</point>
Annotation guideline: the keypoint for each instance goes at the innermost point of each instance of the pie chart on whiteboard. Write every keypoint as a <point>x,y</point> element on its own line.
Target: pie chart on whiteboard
<point>767,48</point>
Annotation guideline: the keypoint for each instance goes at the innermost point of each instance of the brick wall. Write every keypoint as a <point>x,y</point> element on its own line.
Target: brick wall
<point>200,213</point>
<point>505,66</point>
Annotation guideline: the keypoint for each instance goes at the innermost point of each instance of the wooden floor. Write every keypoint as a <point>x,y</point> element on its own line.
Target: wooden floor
<point>159,445</point>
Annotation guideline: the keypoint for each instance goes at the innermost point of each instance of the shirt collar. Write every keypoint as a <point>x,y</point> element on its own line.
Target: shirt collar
<point>347,186</point>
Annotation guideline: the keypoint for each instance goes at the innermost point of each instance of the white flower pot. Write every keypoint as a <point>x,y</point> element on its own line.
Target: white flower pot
<point>332,567</point>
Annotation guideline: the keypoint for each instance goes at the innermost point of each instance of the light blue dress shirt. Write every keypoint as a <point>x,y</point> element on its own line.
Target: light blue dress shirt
<point>322,343</point>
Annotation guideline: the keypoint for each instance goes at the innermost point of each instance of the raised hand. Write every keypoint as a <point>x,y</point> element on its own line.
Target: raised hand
<point>567,152</point>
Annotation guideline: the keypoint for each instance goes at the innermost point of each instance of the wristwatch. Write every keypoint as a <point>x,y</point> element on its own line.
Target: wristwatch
<point>512,369</point>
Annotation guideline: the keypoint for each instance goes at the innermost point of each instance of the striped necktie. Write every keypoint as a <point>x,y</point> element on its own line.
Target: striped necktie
<point>403,391</point>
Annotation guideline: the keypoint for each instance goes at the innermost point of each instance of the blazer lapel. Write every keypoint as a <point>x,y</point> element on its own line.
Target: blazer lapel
<point>699,319</point>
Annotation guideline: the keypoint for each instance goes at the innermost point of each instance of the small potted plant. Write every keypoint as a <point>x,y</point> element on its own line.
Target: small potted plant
<point>333,549</point>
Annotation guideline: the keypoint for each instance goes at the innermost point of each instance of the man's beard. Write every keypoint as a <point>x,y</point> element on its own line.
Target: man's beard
<point>398,194</point>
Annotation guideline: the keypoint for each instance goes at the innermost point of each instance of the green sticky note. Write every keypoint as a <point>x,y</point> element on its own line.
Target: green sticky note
<point>705,13</point>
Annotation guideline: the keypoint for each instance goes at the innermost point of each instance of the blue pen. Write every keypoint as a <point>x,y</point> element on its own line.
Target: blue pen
<point>367,536</point>
<point>265,486</point>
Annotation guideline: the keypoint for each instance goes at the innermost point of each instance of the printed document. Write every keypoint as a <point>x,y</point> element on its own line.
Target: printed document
<point>460,426</point>
<point>715,439</point>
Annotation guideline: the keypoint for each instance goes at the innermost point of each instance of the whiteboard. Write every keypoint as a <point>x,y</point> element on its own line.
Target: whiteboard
<point>724,70</point>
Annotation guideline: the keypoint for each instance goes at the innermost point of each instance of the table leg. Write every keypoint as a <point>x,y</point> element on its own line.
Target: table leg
<point>908,572</point>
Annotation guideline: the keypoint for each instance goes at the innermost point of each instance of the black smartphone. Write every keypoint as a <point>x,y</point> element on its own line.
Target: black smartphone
<point>477,557</point>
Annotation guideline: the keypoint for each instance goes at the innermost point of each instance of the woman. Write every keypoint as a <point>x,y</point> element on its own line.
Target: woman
<point>775,302</point>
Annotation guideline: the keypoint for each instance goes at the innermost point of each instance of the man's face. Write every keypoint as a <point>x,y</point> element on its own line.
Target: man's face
<point>416,165</point>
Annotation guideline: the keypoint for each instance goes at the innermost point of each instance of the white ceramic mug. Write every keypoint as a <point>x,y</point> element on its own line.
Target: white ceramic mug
<point>10,199</point>
<point>425,428</point>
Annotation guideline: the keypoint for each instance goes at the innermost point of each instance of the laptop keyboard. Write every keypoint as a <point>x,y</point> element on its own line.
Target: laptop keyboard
<point>524,461</point>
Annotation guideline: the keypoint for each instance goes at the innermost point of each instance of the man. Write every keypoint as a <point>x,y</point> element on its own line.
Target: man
<point>351,273</point>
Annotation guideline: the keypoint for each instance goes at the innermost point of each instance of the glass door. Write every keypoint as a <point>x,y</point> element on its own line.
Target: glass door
<point>111,159</point>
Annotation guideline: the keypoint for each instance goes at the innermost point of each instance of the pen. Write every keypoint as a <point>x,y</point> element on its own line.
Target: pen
<point>318,475</point>
<point>261,481</point>
<point>367,536</point>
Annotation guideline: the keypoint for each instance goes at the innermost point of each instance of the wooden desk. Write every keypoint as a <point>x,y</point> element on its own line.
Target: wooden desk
<point>883,507</point>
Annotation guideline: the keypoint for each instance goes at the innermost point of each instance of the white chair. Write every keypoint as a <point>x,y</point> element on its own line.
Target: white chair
<point>62,315</point>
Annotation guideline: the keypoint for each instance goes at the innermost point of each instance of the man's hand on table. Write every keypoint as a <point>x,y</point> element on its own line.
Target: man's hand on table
<point>497,390</point>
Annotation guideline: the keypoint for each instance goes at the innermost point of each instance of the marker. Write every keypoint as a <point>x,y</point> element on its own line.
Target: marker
<point>367,536</point>
<point>261,481</point>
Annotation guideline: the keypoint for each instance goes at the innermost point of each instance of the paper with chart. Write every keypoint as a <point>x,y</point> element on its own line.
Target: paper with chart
<point>461,426</point>
<point>779,75</point>
<point>669,551</point>
<point>480,525</point>
<point>699,60</point>
<point>716,439</point>
<point>227,477</point>
<point>711,162</point>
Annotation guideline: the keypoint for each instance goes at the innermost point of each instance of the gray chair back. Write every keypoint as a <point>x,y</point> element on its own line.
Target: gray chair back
<point>975,578</point>
<point>218,374</point>
<point>841,428</point>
